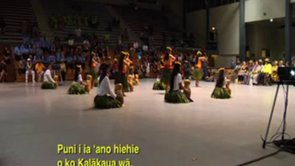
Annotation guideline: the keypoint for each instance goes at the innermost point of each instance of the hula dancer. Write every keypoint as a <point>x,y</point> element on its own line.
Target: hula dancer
<point>48,81</point>
<point>198,71</point>
<point>222,89</point>
<point>175,95</point>
<point>79,86</point>
<point>198,75</point>
<point>187,90</point>
<point>105,97</point>
<point>168,66</point>
<point>121,77</point>
<point>119,92</point>
<point>95,64</point>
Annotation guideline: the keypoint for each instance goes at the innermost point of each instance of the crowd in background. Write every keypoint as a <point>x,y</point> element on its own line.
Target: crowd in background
<point>256,72</point>
<point>147,63</point>
<point>64,55</point>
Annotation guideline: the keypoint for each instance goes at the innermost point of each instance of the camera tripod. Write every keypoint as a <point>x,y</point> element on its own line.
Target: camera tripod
<point>284,144</point>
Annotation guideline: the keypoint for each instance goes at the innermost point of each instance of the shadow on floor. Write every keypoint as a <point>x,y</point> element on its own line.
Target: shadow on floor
<point>95,109</point>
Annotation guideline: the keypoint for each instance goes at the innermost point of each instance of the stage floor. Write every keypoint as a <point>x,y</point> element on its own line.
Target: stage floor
<point>207,132</point>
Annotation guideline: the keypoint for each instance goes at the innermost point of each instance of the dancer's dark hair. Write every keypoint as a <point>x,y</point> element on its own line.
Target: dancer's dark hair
<point>220,79</point>
<point>175,71</point>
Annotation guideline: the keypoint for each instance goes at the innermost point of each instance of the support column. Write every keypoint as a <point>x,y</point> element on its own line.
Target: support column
<point>288,33</point>
<point>242,31</point>
<point>184,7</point>
<point>208,24</point>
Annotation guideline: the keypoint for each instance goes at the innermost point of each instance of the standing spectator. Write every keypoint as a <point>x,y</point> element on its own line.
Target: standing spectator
<point>39,67</point>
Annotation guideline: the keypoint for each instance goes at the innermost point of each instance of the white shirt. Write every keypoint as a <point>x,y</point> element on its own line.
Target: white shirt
<point>47,76</point>
<point>104,88</point>
<point>177,81</point>
<point>80,79</point>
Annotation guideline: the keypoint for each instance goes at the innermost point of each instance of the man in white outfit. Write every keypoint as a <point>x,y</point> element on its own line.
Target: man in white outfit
<point>30,70</point>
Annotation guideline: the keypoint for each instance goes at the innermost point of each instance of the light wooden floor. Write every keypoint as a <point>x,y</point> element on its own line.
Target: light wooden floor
<point>208,132</point>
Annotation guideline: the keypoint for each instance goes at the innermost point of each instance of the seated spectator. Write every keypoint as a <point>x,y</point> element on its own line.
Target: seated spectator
<point>274,76</point>
<point>281,63</point>
<point>256,71</point>
<point>242,72</point>
<point>247,76</point>
<point>266,72</point>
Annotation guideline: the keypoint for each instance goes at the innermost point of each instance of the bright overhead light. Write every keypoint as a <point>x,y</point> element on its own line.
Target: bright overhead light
<point>271,20</point>
<point>213,28</point>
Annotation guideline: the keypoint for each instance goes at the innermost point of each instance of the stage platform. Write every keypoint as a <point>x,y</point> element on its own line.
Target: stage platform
<point>207,132</point>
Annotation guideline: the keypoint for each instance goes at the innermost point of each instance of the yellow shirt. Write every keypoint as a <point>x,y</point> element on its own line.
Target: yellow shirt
<point>39,67</point>
<point>267,69</point>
